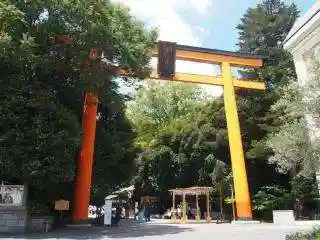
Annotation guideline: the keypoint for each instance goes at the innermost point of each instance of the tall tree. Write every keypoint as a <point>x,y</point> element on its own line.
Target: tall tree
<point>296,143</point>
<point>42,82</point>
<point>261,32</point>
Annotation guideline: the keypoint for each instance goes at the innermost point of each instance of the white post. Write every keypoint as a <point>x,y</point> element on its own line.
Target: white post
<point>107,212</point>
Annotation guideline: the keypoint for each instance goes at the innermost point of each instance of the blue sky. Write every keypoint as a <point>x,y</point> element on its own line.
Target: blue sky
<point>206,23</point>
<point>221,32</point>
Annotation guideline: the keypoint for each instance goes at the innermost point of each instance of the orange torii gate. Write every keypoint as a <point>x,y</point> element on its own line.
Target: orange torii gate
<point>167,54</point>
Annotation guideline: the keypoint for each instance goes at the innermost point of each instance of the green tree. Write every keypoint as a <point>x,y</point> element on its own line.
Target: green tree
<point>261,32</point>
<point>295,144</point>
<point>220,181</point>
<point>183,146</point>
<point>293,152</point>
<point>270,198</point>
<point>42,82</point>
<point>158,106</point>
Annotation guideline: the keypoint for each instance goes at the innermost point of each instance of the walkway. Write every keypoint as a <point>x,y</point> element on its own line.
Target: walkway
<point>159,230</point>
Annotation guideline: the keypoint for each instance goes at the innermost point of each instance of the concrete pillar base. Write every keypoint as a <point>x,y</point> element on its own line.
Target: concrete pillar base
<point>245,222</point>
<point>79,224</point>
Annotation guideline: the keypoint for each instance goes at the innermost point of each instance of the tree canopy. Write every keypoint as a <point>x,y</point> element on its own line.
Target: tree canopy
<point>262,31</point>
<point>160,106</point>
<point>42,81</point>
<point>296,143</point>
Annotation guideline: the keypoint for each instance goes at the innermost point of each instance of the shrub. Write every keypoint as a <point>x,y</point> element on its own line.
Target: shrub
<point>313,235</point>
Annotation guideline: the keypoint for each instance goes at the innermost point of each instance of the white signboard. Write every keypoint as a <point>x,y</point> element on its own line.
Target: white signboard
<point>11,195</point>
<point>283,217</point>
<point>107,212</point>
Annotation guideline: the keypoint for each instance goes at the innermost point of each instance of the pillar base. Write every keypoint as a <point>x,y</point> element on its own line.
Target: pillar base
<point>184,220</point>
<point>80,224</point>
<point>244,222</point>
<point>244,219</point>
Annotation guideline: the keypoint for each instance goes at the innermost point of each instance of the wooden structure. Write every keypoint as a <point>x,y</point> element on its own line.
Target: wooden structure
<point>193,191</point>
<point>167,54</point>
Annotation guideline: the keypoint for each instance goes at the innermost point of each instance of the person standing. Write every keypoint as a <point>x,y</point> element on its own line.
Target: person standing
<point>145,212</point>
<point>149,211</point>
<point>118,213</point>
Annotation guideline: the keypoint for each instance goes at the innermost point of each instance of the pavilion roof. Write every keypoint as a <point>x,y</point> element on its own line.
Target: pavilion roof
<point>192,191</point>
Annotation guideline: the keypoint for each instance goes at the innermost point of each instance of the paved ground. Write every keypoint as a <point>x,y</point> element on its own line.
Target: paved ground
<point>160,230</point>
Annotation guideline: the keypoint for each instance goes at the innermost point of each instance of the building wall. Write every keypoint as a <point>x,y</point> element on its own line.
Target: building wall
<point>304,45</point>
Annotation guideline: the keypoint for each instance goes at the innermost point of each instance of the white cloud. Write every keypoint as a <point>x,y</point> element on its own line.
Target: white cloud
<point>201,6</point>
<point>164,15</point>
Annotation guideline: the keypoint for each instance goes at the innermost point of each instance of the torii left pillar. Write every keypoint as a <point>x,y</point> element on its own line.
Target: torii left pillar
<point>80,207</point>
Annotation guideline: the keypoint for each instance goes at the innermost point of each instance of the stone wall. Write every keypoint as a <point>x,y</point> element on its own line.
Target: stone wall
<point>13,219</point>
<point>40,224</point>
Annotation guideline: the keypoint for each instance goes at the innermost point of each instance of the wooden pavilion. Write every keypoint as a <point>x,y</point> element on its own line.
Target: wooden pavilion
<point>193,191</point>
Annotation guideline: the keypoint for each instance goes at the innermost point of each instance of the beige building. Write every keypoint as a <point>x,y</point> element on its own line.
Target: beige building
<point>303,42</point>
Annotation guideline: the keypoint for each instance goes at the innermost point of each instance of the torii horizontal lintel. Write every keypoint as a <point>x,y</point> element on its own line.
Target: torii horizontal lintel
<point>211,80</point>
<point>249,84</point>
<point>199,79</point>
<point>206,55</point>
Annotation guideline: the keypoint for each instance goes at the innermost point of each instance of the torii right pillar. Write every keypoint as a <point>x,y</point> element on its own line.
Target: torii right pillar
<point>242,196</point>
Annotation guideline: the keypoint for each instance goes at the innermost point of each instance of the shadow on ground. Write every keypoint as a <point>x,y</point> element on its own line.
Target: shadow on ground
<point>122,232</point>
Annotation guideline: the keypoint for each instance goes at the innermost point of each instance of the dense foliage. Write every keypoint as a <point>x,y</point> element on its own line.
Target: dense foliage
<point>174,132</point>
<point>183,139</point>
<point>312,235</point>
<point>296,144</point>
<point>42,82</point>
<point>262,31</point>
